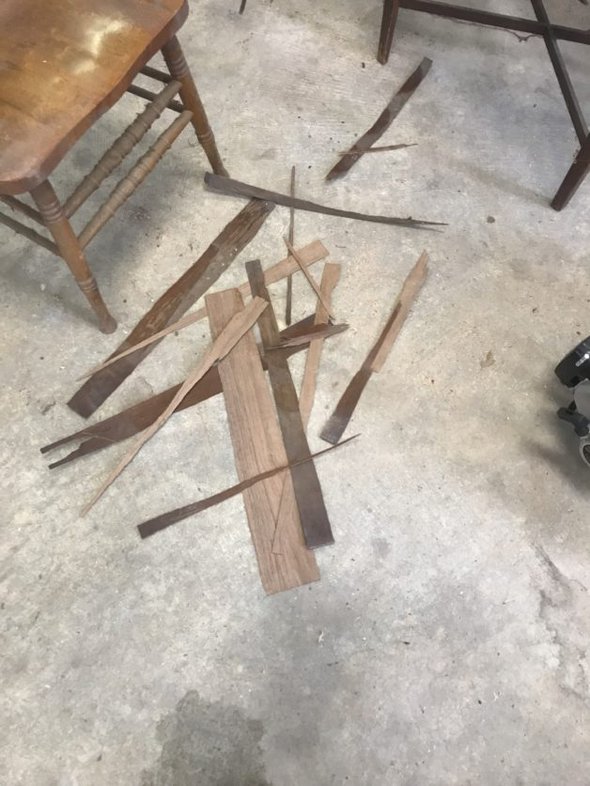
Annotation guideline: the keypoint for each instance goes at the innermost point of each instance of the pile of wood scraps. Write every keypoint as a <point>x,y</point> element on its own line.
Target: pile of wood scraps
<point>267,414</point>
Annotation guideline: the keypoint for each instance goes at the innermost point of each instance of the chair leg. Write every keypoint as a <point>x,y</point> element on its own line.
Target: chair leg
<point>390,11</point>
<point>576,174</point>
<point>189,95</point>
<point>54,218</point>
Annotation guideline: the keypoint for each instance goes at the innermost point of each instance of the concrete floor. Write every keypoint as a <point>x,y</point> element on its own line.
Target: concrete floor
<point>447,640</point>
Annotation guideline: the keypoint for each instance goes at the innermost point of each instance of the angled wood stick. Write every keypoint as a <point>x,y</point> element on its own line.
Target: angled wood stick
<point>308,255</point>
<point>309,278</point>
<point>226,340</point>
<point>385,119</point>
<point>164,520</point>
<point>374,361</point>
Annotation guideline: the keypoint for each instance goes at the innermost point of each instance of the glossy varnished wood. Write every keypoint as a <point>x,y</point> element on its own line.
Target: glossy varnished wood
<point>62,64</point>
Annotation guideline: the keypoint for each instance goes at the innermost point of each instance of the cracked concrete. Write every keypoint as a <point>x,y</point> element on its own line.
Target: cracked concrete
<point>446,644</point>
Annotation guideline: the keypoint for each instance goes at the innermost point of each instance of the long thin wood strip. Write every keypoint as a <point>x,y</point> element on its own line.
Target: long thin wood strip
<point>308,255</point>
<point>412,286</point>
<point>226,185</point>
<point>340,418</point>
<point>136,418</point>
<point>309,277</point>
<point>224,342</point>
<point>257,444</point>
<point>380,149</point>
<point>171,305</point>
<point>383,122</point>
<point>330,277</point>
<point>308,493</point>
<point>289,303</point>
<point>164,520</point>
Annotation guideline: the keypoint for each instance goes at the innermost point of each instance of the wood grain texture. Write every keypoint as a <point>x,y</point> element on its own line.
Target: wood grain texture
<point>330,277</point>
<point>64,65</point>
<point>374,361</point>
<point>308,255</point>
<point>308,493</point>
<point>412,285</point>
<point>226,185</point>
<point>383,122</point>
<point>258,447</point>
<point>224,342</point>
<point>177,299</point>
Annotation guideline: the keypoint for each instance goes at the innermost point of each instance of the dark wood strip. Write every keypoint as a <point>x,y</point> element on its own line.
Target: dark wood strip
<point>134,419</point>
<point>308,493</point>
<point>164,520</point>
<point>226,185</point>
<point>172,304</point>
<point>383,122</point>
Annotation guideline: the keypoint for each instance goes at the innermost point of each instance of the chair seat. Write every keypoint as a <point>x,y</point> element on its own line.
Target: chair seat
<point>63,63</point>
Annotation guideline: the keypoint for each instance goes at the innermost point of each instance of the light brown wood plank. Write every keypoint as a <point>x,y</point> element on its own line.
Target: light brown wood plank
<point>258,446</point>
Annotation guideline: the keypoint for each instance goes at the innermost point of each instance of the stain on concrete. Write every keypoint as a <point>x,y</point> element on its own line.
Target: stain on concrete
<point>209,744</point>
<point>563,607</point>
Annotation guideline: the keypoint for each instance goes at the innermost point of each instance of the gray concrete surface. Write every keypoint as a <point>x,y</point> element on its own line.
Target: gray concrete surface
<point>447,640</point>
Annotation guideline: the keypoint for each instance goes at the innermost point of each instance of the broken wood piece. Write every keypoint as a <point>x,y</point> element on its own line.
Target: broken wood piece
<point>164,520</point>
<point>224,342</point>
<point>383,122</point>
<point>170,306</point>
<point>310,335</point>
<point>136,418</point>
<point>380,149</point>
<point>330,277</point>
<point>257,445</point>
<point>309,278</point>
<point>374,361</point>
<point>226,185</point>
<point>289,302</point>
<point>306,484</point>
<point>308,255</point>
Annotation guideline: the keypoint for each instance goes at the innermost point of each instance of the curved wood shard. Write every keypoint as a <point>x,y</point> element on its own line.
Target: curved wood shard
<point>225,185</point>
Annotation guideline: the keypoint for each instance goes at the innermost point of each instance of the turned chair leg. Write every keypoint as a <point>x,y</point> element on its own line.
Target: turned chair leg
<point>54,218</point>
<point>576,174</point>
<point>189,95</point>
<point>390,11</point>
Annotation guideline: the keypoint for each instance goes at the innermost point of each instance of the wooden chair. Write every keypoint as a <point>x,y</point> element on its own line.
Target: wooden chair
<point>63,65</point>
<point>540,25</point>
